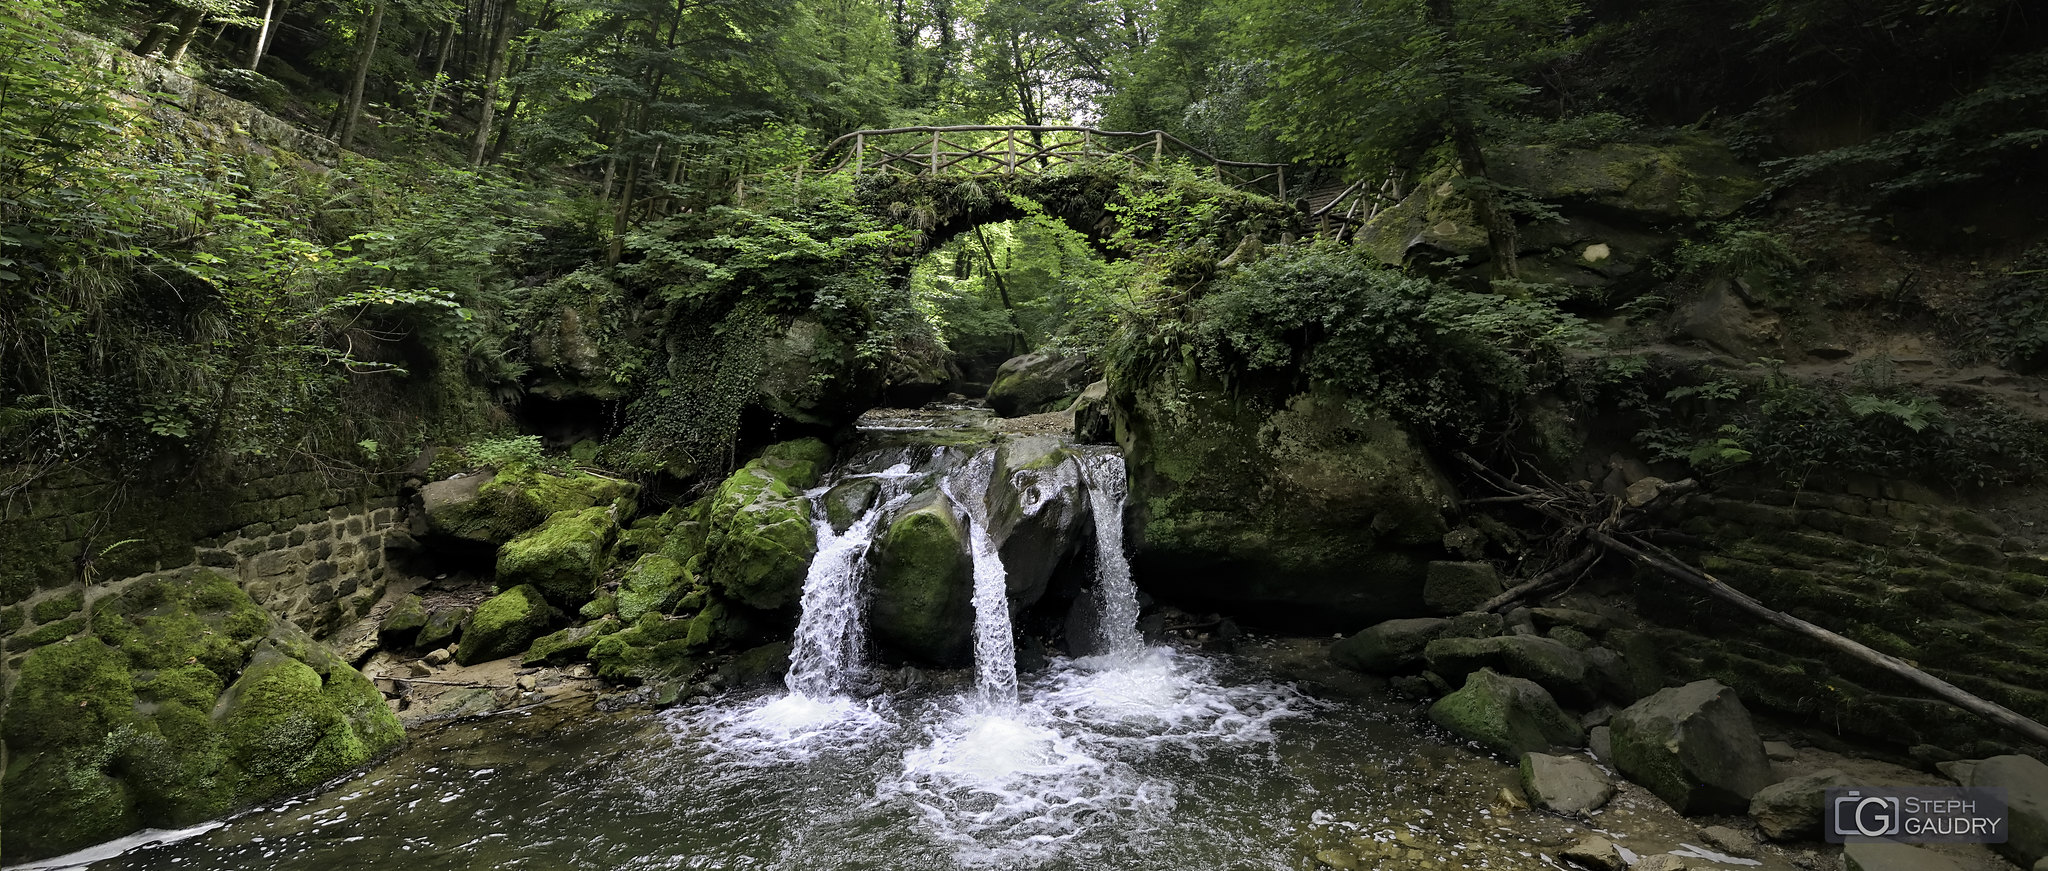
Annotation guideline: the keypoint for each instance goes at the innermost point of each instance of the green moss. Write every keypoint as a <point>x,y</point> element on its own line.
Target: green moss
<point>47,633</point>
<point>200,616</point>
<point>518,500</point>
<point>569,645</point>
<point>11,619</point>
<point>444,625</point>
<point>922,600</point>
<point>759,542</point>
<point>563,558</point>
<point>59,607</point>
<point>653,583</point>
<point>1509,716</point>
<point>605,604</point>
<point>286,726</point>
<point>505,624</point>
<point>799,462</point>
<point>402,625</point>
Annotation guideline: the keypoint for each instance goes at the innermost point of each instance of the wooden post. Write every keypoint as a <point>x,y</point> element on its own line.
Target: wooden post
<point>1281,173</point>
<point>859,152</point>
<point>1010,142</point>
<point>935,153</point>
<point>1158,146</point>
<point>1087,143</point>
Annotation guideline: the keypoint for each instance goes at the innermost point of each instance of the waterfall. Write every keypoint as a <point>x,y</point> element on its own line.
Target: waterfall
<point>995,649</point>
<point>1116,624</point>
<point>831,636</point>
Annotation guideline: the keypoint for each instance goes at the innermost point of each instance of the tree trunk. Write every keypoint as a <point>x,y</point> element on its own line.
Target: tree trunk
<point>1500,228</point>
<point>154,39</point>
<point>354,109</point>
<point>188,27</point>
<point>1003,290</point>
<point>260,41</point>
<point>440,64</point>
<point>501,43</point>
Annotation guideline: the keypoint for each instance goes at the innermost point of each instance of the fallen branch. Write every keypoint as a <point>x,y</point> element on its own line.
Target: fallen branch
<point>1555,577</point>
<point>1656,558</point>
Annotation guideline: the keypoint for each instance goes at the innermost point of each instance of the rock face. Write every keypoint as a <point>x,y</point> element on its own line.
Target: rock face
<point>1454,588</point>
<point>563,558</point>
<point>2025,780</point>
<point>1792,809</point>
<point>505,624</point>
<point>1506,715</point>
<point>1694,747</point>
<point>758,541</point>
<point>1037,509</point>
<point>1036,383</point>
<point>1388,648</point>
<point>493,507</point>
<point>655,582</point>
<point>1289,512</point>
<point>176,701</point>
<point>1558,668</point>
<point>1564,784</point>
<point>923,583</point>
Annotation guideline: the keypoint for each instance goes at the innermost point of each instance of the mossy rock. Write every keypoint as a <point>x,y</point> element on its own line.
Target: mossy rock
<point>506,624</point>
<point>59,607</point>
<point>563,558</point>
<point>1038,383</point>
<point>1507,715</point>
<point>569,645</point>
<point>402,625</point>
<point>1039,512</point>
<point>654,583</point>
<point>922,599</point>
<point>444,627</point>
<point>759,541</point>
<point>1291,512</point>
<point>182,702</point>
<point>494,507</point>
<point>596,609</point>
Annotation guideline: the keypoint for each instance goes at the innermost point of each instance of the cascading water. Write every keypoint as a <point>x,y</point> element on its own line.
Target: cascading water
<point>1116,624</point>
<point>830,643</point>
<point>995,647</point>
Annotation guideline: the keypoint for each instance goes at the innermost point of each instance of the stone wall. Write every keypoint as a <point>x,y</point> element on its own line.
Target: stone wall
<point>1960,591</point>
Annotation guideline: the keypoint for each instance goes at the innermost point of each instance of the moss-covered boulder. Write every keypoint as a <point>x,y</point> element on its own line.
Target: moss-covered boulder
<point>1548,662</point>
<point>655,582</point>
<point>1391,647</point>
<point>494,507</point>
<point>1693,746</point>
<point>922,590</point>
<point>564,557</point>
<point>569,645</point>
<point>402,624</point>
<point>506,624</point>
<point>660,647</point>
<point>1037,383</point>
<point>444,627</point>
<point>180,701</point>
<point>1038,510</point>
<point>1507,715</point>
<point>758,537</point>
<point>1292,512</point>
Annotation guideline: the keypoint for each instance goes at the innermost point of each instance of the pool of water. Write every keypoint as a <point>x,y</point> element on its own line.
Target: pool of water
<point>1165,759</point>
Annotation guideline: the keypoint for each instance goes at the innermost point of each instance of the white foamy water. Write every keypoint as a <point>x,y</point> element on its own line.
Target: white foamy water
<point>779,729</point>
<point>1116,627</point>
<point>995,647</point>
<point>831,637</point>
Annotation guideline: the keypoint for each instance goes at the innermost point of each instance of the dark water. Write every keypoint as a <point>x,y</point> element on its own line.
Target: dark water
<point>1173,760</point>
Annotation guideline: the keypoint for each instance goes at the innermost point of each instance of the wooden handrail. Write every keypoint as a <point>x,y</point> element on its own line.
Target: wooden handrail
<point>1159,137</point>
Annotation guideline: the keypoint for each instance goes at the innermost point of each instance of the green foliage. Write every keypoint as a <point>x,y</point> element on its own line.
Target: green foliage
<point>1762,258</point>
<point>2011,320</point>
<point>1798,430</point>
<point>513,454</point>
<point>1438,359</point>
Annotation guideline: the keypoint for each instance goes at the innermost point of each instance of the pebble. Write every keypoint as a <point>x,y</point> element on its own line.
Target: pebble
<point>439,658</point>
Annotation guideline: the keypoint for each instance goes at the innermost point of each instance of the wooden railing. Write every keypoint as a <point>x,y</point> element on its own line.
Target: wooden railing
<point>982,150</point>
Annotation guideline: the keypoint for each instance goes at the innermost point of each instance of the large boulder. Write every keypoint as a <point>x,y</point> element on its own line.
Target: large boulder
<point>494,507</point>
<point>922,589</point>
<point>758,537</point>
<point>506,624</point>
<point>1035,383</point>
<point>1038,510</point>
<point>2025,781</point>
<point>1293,513</point>
<point>1791,810</point>
<point>1693,746</point>
<point>1457,587</point>
<point>402,624</point>
<point>654,582</point>
<point>563,558</point>
<point>1553,664</point>
<point>176,701</point>
<point>1507,715</point>
<point>1564,784</point>
<point>1392,647</point>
